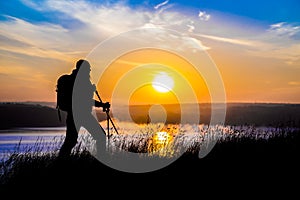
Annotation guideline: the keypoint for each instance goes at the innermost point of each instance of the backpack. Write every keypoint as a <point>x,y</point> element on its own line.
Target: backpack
<point>64,90</point>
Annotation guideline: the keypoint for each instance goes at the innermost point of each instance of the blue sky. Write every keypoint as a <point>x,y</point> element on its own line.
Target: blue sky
<point>266,11</point>
<point>256,41</point>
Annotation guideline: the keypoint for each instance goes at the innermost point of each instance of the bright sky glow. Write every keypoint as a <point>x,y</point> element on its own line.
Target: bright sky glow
<point>255,44</point>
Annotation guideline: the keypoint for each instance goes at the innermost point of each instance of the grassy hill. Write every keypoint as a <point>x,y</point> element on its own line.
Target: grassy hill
<point>14,115</point>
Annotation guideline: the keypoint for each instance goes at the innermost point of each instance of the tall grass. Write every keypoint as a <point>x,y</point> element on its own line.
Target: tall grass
<point>138,139</point>
<point>189,138</point>
<point>40,153</point>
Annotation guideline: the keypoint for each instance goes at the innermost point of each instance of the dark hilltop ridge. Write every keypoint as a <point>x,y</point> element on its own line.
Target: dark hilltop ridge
<point>15,115</point>
<point>30,114</point>
<point>39,114</point>
<point>256,114</point>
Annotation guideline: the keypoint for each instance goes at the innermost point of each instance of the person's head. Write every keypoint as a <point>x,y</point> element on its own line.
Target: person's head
<point>83,65</point>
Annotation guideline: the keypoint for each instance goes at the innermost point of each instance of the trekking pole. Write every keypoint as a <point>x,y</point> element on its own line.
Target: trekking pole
<point>107,115</point>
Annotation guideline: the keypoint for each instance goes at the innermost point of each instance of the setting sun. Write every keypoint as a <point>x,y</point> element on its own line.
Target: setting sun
<point>163,83</point>
<point>152,76</point>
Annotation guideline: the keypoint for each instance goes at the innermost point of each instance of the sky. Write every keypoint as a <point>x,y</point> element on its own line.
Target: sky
<point>254,45</point>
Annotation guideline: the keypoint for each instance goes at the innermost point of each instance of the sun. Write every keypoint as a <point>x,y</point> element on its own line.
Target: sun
<point>162,82</point>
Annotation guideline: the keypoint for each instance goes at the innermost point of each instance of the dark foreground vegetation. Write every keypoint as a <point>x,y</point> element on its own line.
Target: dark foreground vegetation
<point>237,164</point>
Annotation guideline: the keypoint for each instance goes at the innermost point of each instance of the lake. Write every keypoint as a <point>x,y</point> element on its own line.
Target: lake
<point>50,139</point>
<point>30,140</point>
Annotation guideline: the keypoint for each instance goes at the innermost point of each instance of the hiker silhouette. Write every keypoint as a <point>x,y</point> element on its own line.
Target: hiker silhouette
<point>79,110</point>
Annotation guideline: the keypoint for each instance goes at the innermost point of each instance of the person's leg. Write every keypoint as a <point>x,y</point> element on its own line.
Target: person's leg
<point>97,132</point>
<point>71,137</point>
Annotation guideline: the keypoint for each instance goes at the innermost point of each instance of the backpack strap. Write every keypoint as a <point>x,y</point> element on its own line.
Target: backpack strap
<point>58,112</point>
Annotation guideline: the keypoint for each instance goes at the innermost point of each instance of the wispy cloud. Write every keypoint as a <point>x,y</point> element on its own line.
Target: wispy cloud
<point>191,26</point>
<point>37,5</point>
<point>290,54</point>
<point>284,29</point>
<point>161,4</point>
<point>42,40</point>
<point>109,20</point>
<point>280,41</point>
<point>100,21</point>
<point>203,16</point>
<point>228,40</point>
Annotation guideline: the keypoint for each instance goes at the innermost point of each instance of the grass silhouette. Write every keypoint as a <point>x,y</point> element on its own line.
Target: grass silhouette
<point>241,153</point>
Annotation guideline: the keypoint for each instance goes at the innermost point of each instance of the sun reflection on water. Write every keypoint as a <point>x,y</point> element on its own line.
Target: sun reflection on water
<point>161,137</point>
<point>161,144</point>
